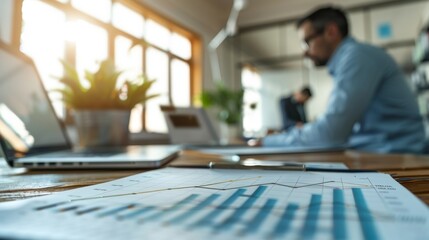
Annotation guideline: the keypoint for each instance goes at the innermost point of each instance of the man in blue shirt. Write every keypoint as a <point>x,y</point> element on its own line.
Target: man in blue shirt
<point>371,108</point>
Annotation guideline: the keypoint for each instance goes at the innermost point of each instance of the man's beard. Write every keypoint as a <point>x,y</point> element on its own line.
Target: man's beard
<point>319,62</point>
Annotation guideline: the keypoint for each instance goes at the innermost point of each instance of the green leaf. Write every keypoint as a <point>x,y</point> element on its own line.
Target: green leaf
<point>229,103</point>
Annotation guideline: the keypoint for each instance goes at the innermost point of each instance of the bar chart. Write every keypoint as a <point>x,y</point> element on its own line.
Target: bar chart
<point>227,204</point>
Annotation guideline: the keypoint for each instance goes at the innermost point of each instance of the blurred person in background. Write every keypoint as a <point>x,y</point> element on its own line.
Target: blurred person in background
<point>292,108</point>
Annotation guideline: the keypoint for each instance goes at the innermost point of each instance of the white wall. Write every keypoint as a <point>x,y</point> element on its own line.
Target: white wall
<point>6,10</point>
<point>277,84</point>
<point>425,14</point>
<point>404,20</point>
<point>321,84</point>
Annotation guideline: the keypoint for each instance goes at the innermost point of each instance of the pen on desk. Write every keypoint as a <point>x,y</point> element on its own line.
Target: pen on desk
<point>310,169</point>
<point>287,166</point>
<point>225,157</point>
<point>284,166</point>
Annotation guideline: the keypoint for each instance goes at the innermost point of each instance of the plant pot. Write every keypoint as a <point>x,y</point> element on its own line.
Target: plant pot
<point>102,127</point>
<point>229,134</point>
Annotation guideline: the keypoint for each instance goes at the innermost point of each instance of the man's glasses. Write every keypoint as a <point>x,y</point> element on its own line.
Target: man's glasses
<point>306,43</point>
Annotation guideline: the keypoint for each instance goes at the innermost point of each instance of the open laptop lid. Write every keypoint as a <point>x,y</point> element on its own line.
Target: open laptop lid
<point>28,124</point>
<point>189,125</point>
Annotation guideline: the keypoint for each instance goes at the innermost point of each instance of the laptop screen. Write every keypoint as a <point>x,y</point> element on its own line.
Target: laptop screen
<point>28,123</point>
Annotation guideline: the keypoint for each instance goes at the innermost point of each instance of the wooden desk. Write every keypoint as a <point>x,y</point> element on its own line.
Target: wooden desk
<point>411,171</point>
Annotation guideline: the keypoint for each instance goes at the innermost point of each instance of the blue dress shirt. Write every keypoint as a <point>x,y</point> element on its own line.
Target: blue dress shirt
<point>371,108</point>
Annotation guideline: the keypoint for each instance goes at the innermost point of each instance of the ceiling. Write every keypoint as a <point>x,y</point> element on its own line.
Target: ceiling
<point>263,11</point>
<point>211,15</point>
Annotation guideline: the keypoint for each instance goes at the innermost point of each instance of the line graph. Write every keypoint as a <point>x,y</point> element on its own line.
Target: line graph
<point>207,186</point>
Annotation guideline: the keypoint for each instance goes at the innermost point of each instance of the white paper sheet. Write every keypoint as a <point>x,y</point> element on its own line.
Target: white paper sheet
<point>224,204</point>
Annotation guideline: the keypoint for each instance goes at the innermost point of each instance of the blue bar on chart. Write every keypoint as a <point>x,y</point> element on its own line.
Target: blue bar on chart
<point>88,210</point>
<point>173,208</point>
<point>284,224</point>
<point>116,210</point>
<point>254,224</point>
<point>339,215</point>
<point>137,213</point>
<point>49,206</point>
<point>365,217</point>
<point>310,224</point>
<point>70,208</point>
<point>205,203</point>
<point>240,211</point>
<point>209,218</point>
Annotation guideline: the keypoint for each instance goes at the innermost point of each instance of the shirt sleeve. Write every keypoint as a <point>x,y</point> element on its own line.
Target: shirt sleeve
<point>356,78</point>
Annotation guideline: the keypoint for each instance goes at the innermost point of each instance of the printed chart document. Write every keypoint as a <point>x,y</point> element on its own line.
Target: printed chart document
<point>182,203</point>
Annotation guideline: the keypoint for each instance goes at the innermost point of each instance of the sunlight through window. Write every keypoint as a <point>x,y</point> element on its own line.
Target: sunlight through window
<point>128,20</point>
<point>180,83</point>
<point>181,46</point>
<point>129,60</point>
<point>84,33</point>
<point>91,46</point>
<point>42,39</point>
<point>97,8</point>
<point>157,34</point>
<point>157,68</point>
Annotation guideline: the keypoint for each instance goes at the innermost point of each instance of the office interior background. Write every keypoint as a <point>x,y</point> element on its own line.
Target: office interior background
<point>263,55</point>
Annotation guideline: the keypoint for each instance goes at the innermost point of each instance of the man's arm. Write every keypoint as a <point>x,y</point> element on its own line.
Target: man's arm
<point>356,81</point>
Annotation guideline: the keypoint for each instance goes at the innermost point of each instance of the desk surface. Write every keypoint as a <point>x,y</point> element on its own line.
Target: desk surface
<point>409,170</point>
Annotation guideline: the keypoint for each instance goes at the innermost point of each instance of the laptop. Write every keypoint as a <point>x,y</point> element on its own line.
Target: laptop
<point>192,129</point>
<point>32,136</point>
<point>189,126</point>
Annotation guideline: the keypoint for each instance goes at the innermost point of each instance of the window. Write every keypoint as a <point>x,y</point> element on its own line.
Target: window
<point>123,16</point>
<point>99,9</point>
<point>180,87</point>
<point>158,35</point>
<point>141,42</point>
<point>90,46</point>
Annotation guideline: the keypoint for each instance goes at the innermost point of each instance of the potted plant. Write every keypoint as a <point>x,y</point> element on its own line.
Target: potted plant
<point>229,104</point>
<point>101,104</point>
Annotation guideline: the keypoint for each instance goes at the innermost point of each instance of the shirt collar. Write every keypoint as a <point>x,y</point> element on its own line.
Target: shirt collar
<point>337,54</point>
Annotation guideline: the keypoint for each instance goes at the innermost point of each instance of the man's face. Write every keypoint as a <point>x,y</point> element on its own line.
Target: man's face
<point>315,43</point>
<point>301,98</point>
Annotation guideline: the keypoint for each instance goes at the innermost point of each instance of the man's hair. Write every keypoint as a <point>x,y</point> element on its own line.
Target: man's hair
<point>306,91</point>
<point>324,16</point>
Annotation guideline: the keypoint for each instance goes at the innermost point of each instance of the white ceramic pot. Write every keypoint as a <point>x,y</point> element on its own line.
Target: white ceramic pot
<point>229,134</point>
